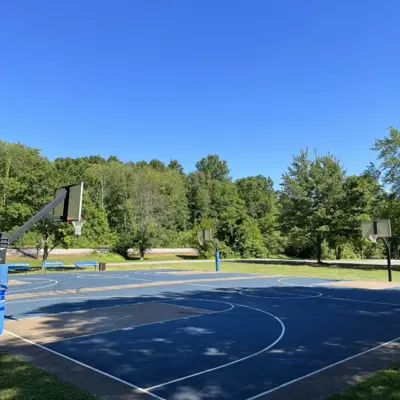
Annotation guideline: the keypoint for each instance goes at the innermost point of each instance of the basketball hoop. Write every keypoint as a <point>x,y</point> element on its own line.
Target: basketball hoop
<point>78,227</point>
<point>373,238</point>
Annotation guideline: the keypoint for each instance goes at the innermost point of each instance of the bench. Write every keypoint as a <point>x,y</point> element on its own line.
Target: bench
<point>85,263</point>
<point>53,265</point>
<point>15,267</point>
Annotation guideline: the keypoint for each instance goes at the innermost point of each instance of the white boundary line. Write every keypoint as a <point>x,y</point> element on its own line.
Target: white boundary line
<point>71,297</point>
<point>232,362</point>
<point>132,327</point>
<point>321,369</point>
<point>212,286</point>
<point>261,297</point>
<point>296,297</point>
<point>86,277</point>
<point>148,390</point>
<point>83,309</point>
<point>30,289</point>
<point>87,366</point>
<point>340,298</point>
<point>361,301</point>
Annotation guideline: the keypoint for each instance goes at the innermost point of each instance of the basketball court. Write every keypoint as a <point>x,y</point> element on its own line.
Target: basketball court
<point>168,334</point>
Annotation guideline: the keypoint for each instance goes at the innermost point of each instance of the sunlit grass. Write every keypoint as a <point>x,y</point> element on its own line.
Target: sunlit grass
<point>382,385</point>
<point>23,381</point>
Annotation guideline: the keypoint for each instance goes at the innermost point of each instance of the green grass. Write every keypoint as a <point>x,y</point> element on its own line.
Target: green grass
<point>23,381</point>
<point>382,385</point>
<point>292,270</point>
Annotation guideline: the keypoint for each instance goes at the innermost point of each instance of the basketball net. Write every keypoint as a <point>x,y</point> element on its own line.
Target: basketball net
<point>78,227</point>
<point>373,238</point>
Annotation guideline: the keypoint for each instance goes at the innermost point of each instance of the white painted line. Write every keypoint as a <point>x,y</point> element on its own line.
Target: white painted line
<point>340,298</point>
<point>86,277</point>
<point>83,309</point>
<point>72,298</point>
<point>35,279</point>
<point>321,369</point>
<point>88,366</point>
<point>201,284</point>
<point>232,362</point>
<point>361,301</point>
<point>141,325</point>
<point>295,296</point>
<point>30,289</point>
<point>212,286</point>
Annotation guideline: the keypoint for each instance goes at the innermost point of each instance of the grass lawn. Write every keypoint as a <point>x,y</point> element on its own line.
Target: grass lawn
<point>280,269</point>
<point>382,385</point>
<point>23,381</point>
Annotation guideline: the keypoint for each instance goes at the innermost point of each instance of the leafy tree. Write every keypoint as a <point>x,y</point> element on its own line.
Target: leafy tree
<point>52,235</point>
<point>199,199</point>
<point>26,181</point>
<point>312,198</point>
<point>175,165</point>
<point>261,205</point>
<point>389,154</point>
<point>157,164</point>
<point>213,168</point>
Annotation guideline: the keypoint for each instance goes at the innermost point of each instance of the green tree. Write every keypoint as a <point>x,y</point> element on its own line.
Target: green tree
<point>312,198</point>
<point>199,199</point>
<point>157,164</point>
<point>388,150</point>
<point>262,206</point>
<point>26,183</point>
<point>175,165</point>
<point>213,168</point>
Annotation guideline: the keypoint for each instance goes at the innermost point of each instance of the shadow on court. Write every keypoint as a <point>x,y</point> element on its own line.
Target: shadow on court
<point>267,342</point>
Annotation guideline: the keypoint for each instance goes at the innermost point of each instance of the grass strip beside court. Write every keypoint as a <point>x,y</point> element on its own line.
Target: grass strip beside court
<point>381,385</point>
<point>329,272</point>
<point>22,381</point>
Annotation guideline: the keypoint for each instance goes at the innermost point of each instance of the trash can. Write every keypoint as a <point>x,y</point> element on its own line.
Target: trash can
<point>102,266</point>
<point>3,288</point>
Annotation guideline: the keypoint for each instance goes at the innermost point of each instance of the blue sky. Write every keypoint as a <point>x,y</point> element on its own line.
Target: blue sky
<point>251,80</point>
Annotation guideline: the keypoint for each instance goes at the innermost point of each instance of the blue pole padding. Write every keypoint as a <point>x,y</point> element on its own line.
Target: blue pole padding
<point>217,261</point>
<point>3,288</point>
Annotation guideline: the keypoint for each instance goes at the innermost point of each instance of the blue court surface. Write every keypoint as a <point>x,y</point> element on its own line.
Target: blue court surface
<point>184,335</point>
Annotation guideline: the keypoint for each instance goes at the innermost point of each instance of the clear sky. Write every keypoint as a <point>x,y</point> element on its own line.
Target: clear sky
<point>251,80</point>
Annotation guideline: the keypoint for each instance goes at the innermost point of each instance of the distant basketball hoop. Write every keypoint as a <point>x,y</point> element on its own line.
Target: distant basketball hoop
<point>373,238</point>
<point>78,227</point>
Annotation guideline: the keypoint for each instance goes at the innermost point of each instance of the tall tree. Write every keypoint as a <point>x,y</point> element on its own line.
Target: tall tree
<point>213,168</point>
<point>175,165</point>
<point>389,154</point>
<point>312,198</point>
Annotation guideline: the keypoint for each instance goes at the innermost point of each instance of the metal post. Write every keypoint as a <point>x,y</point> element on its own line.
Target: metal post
<point>387,245</point>
<point>217,259</point>
<point>37,217</point>
<point>4,241</point>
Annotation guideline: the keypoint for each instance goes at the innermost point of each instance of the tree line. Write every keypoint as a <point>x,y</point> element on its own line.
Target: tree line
<point>315,213</point>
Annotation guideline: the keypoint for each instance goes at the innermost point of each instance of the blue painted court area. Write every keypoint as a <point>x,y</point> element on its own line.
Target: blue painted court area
<point>182,335</point>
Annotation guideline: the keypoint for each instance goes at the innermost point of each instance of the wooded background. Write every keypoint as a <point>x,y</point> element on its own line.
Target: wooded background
<point>316,213</point>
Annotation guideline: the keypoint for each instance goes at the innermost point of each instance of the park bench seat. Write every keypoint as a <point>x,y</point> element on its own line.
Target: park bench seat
<point>14,267</point>
<point>53,265</point>
<point>85,263</point>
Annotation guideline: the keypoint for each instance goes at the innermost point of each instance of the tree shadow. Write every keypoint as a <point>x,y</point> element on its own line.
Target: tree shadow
<point>319,331</point>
